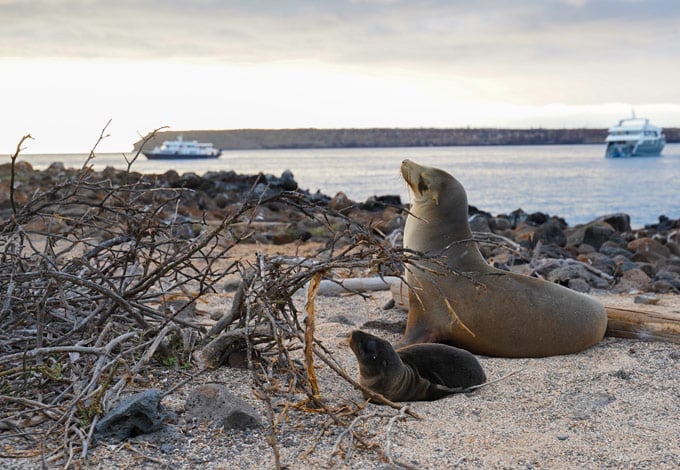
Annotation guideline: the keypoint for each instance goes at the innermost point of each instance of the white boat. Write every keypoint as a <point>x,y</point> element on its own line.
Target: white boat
<point>179,149</point>
<point>634,137</point>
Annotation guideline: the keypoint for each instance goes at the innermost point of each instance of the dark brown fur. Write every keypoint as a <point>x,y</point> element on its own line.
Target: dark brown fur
<point>421,372</point>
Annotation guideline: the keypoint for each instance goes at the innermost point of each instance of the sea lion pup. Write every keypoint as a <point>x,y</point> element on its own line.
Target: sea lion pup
<point>455,297</point>
<point>421,372</point>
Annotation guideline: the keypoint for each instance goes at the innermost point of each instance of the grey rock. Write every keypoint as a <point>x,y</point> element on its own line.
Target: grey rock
<point>215,403</point>
<point>633,280</point>
<point>479,223</point>
<point>612,249</point>
<point>499,224</point>
<point>568,272</point>
<point>623,263</point>
<point>578,285</point>
<point>141,413</point>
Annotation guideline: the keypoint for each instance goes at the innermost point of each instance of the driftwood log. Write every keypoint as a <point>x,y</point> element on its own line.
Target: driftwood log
<point>645,325</point>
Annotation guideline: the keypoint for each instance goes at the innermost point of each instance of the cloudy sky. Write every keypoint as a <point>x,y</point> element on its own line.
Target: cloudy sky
<point>67,67</point>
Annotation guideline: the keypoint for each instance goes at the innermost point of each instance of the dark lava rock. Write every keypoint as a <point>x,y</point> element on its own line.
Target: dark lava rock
<point>375,203</point>
<point>619,221</point>
<point>550,232</point>
<point>138,414</point>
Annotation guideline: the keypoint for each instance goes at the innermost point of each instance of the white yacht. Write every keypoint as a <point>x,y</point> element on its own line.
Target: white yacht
<point>634,137</point>
<point>179,148</point>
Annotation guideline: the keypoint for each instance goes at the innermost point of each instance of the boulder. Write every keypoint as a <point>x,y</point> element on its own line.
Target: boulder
<point>213,402</point>
<point>479,223</point>
<point>141,413</point>
<point>550,233</point>
<point>648,250</point>
<point>618,221</point>
<point>633,280</point>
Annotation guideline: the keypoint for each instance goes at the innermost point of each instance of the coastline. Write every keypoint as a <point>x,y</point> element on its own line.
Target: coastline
<point>564,411</point>
<point>310,138</point>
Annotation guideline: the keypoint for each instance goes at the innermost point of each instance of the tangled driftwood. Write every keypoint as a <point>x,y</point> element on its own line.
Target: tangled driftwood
<point>96,278</point>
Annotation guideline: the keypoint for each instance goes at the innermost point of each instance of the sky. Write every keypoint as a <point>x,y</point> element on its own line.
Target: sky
<point>71,70</point>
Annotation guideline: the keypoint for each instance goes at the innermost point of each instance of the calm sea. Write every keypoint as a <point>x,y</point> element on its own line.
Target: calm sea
<point>573,181</point>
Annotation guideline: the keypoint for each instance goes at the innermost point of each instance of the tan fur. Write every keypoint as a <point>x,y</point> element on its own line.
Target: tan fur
<point>457,298</point>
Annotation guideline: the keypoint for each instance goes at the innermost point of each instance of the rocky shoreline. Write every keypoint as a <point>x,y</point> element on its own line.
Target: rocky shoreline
<point>603,254</point>
<point>555,412</point>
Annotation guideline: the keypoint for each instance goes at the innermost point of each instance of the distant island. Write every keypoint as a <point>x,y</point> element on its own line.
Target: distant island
<point>257,139</point>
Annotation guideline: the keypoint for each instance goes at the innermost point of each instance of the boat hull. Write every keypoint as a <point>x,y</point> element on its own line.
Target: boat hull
<point>629,149</point>
<point>178,156</point>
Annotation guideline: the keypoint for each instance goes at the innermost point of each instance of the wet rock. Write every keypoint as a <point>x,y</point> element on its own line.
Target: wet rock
<point>141,413</point>
<point>215,403</point>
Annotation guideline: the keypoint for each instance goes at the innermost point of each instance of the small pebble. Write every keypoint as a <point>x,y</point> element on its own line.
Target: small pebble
<point>562,437</point>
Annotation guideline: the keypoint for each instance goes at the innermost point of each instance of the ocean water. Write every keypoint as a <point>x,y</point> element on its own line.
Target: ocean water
<point>572,181</point>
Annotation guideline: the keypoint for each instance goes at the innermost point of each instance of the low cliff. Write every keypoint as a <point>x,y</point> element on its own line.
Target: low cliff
<point>251,139</point>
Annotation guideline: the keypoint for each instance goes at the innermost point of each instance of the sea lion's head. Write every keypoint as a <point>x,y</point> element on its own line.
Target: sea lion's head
<point>432,187</point>
<point>377,358</point>
<point>439,208</point>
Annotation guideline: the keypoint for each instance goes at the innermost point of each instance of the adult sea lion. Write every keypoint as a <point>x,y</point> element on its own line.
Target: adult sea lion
<point>455,297</point>
<point>421,372</point>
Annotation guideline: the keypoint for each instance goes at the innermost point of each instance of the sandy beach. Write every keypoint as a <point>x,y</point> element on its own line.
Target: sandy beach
<point>612,406</point>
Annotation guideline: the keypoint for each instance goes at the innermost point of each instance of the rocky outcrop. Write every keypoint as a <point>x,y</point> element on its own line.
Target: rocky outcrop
<point>605,253</point>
